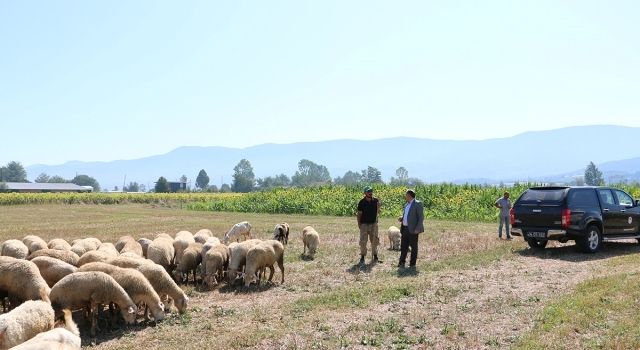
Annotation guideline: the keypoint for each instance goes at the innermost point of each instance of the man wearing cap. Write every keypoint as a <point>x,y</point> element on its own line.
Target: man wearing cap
<point>412,220</point>
<point>368,211</point>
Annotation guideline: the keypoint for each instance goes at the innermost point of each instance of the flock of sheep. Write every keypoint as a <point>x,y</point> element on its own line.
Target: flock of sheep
<point>42,282</point>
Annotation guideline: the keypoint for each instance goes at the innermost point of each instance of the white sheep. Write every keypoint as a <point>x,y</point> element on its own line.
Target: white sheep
<point>81,246</point>
<point>108,248</point>
<point>128,244</point>
<point>214,262</point>
<point>311,240</point>
<point>62,338</point>
<point>94,288</point>
<point>262,256</point>
<point>14,248</point>
<point>25,322</point>
<point>65,255</point>
<point>129,262</point>
<point>22,281</point>
<point>34,243</point>
<point>162,252</point>
<point>393,233</point>
<point>210,243</point>
<point>144,243</point>
<point>94,256</point>
<point>191,258</point>
<point>52,269</point>
<point>181,242</point>
<point>238,257</point>
<point>134,283</point>
<point>59,244</point>
<point>202,236</point>
<point>239,229</point>
<point>281,233</point>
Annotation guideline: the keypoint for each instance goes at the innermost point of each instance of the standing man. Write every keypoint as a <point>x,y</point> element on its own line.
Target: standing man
<point>504,204</point>
<point>368,211</point>
<point>412,226</point>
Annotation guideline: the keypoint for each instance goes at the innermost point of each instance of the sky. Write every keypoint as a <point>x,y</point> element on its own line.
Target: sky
<point>106,80</point>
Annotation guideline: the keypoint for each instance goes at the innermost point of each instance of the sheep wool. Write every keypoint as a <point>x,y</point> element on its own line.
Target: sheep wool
<point>25,322</point>
<point>52,269</point>
<point>21,280</point>
<point>14,248</point>
<point>311,240</point>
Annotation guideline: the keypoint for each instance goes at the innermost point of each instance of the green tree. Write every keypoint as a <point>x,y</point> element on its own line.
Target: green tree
<point>13,172</point>
<point>3,186</point>
<point>243,177</point>
<point>212,188</point>
<point>133,187</point>
<point>202,181</point>
<point>372,175</point>
<point>162,186</point>
<point>349,178</point>
<point>57,179</point>
<point>225,188</point>
<point>593,176</point>
<point>42,178</point>
<point>86,180</point>
<point>310,173</point>
<point>268,182</point>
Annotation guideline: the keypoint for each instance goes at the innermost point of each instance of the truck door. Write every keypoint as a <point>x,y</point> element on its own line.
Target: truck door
<point>628,213</point>
<point>610,211</point>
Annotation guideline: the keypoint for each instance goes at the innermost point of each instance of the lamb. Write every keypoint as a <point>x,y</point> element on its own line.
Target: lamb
<point>202,236</point>
<point>162,252</point>
<point>393,233</point>
<point>93,256</point>
<point>134,283</point>
<point>214,262</point>
<point>82,289</point>
<point>129,244</point>
<point>262,256</point>
<point>238,257</point>
<point>34,243</point>
<point>15,249</point>
<point>189,262</point>
<point>239,229</point>
<point>311,240</point>
<point>67,338</point>
<point>109,249</point>
<point>59,244</point>
<point>281,233</point>
<point>22,281</point>
<point>65,255</point>
<point>52,269</point>
<point>25,322</point>
<point>81,246</point>
<point>181,242</point>
<point>144,243</point>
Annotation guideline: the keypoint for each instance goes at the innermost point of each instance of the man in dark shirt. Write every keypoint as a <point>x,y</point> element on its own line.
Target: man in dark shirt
<point>368,211</point>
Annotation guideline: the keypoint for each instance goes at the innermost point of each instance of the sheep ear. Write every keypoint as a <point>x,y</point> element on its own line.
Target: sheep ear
<point>131,310</point>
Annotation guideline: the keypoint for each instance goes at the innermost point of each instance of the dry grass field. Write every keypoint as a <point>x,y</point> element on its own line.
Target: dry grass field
<point>470,291</point>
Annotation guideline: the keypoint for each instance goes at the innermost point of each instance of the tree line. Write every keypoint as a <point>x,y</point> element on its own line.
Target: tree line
<point>15,172</point>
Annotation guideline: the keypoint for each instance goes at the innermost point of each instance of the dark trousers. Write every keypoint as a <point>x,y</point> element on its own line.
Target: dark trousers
<point>408,240</point>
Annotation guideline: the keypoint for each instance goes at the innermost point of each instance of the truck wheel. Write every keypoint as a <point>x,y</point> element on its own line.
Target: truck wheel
<point>536,244</point>
<point>592,242</point>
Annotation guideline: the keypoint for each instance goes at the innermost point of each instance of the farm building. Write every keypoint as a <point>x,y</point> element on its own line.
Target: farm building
<point>24,187</point>
<point>177,186</point>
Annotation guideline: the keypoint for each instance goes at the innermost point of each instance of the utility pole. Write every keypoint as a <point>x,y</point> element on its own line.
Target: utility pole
<point>124,182</point>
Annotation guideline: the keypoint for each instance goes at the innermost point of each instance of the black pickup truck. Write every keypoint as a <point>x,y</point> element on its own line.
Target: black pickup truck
<point>588,215</point>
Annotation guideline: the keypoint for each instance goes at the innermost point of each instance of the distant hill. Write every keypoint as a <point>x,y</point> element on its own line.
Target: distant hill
<point>527,156</point>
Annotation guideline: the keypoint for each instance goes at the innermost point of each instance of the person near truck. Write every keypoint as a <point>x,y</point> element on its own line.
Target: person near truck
<point>368,212</point>
<point>504,204</point>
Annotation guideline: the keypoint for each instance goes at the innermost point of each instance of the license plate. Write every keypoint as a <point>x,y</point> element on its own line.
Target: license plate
<point>535,234</point>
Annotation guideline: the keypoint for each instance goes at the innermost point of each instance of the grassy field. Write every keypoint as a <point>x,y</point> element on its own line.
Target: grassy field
<point>471,290</point>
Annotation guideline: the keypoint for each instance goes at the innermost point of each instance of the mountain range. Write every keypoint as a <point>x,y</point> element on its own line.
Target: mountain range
<point>552,155</point>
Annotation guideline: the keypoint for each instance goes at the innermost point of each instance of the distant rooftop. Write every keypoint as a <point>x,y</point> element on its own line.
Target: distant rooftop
<point>45,187</point>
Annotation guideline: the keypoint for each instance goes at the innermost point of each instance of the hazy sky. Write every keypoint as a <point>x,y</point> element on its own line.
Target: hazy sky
<point>104,80</point>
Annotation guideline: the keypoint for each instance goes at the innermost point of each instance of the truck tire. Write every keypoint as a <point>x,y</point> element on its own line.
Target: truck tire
<point>592,242</point>
<point>537,244</point>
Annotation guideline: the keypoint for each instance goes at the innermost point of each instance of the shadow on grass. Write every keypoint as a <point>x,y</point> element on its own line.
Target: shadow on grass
<point>106,330</point>
<point>571,252</point>
<point>408,272</point>
<point>239,288</point>
<point>304,257</point>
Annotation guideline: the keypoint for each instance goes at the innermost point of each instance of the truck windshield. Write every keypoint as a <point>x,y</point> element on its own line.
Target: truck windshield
<point>549,196</point>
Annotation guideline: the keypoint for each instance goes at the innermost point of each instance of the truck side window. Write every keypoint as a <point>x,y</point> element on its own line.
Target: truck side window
<point>606,197</point>
<point>624,199</point>
<point>582,198</point>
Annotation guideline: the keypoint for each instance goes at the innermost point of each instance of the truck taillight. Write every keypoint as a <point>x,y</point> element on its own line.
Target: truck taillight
<point>512,216</point>
<point>566,218</point>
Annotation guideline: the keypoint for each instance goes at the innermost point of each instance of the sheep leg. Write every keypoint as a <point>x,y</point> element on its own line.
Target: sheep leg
<point>304,250</point>
<point>271,271</point>
<point>281,266</point>
<point>93,313</point>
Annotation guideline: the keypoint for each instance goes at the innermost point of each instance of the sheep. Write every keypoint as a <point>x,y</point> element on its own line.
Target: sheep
<point>210,243</point>
<point>238,257</point>
<point>239,229</point>
<point>311,240</point>
<point>163,235</point>
<point>25,322</point>
<point>93,288</point>
<point>191,258</point>
<point>22,281</point>
<point>67,256</point>
<point>214,262</point>
<point>131,255</point>
<point>129,262</point>
<point>15,249</point>
<point>262,256</point>
<point>93,256</point>
<point>52,269</point>
<point>81,246</point>
<point>181,242</point>
<point>165,286</point>
<point>144,243</point>
<point>34,243</point>
<point>59,244</point>
<point>129,244</point>
<point>109,249</point>
<point>393,233</point>
<point>134,283</point>
<point>281,233</point>
<point>202,236</point>
<point>62,338</point>
<point>162,252</point>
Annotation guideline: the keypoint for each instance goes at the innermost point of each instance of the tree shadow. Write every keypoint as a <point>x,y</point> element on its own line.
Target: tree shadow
<point>572,254</point>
